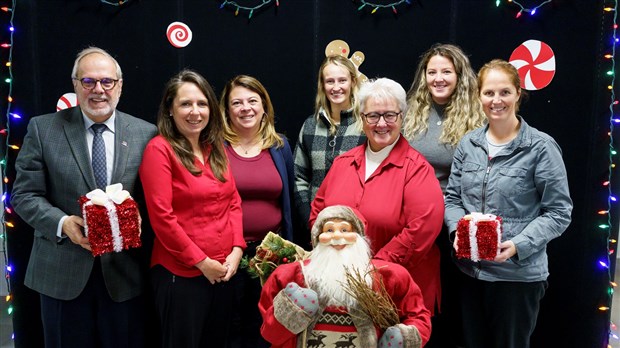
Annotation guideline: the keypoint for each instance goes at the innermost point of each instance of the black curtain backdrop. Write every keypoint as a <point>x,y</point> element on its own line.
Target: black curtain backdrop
<point>283,48</point>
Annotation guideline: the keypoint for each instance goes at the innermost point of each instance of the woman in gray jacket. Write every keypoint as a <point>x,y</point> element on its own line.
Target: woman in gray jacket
<point>514,171</point>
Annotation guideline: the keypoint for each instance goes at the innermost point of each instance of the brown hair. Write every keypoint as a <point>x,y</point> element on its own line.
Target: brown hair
<point>210,137</point>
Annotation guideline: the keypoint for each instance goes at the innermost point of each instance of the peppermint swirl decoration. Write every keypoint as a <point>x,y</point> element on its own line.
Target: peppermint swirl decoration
<point>535,62</point>
<point>179,34</point>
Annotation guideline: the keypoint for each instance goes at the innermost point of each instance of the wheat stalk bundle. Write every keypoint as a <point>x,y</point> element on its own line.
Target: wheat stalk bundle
<point>376,303</point>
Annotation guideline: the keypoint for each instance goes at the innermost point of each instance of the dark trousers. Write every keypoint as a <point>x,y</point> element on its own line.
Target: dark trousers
<point>500,314</point>
<point>247,320</point>
<point>193,313</point>
<point>93,319</point>
<point>446,323</point>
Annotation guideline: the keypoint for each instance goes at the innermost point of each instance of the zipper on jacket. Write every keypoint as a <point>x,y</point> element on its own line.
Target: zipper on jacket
<point>340,129</point>
<point>332,143</point>
<point>484,185</point>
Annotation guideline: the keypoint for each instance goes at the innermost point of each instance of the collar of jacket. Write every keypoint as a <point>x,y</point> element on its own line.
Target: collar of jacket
<point>396,157</point>
<point>523,139</point>
<point>346,117</point>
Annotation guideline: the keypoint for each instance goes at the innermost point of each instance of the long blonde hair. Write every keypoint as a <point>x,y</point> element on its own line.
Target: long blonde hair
<point>463,111</point>
<point>323,103</point>
<point>267,130</point>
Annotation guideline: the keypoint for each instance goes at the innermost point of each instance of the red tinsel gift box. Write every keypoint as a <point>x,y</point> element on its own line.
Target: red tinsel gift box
<point>479,236</point>
<point>110,226</point>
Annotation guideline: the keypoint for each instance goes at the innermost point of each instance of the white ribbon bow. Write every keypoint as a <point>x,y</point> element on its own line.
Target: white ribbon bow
<point>114,193</point>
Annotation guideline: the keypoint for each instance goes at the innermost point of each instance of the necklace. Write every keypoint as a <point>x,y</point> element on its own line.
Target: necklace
<point>251,147</point>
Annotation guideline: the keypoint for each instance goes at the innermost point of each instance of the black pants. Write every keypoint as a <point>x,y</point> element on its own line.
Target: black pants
<point>500,314</point>
<point>93,319</point>
<point>193,313</point>
<point>446,323</point>
<point>247,320</point>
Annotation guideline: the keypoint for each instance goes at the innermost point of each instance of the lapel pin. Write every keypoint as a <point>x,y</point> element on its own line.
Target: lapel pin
<point>124,143</point>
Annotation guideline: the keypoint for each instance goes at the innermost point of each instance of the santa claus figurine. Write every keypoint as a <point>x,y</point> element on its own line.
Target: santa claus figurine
<point>305,304</point>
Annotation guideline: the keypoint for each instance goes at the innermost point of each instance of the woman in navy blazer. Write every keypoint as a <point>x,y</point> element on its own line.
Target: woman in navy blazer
<point>262,165</point>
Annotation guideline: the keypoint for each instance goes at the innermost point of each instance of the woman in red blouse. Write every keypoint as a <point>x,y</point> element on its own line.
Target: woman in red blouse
<point>195,212</point>
<point>393,186</point>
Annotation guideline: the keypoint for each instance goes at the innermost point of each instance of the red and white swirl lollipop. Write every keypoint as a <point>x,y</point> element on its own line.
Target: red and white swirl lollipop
<point>535,63</point>
<point>179,34</point>
<point>68,100</point>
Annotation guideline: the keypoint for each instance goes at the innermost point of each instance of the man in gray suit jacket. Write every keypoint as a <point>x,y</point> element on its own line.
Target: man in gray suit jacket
<point>86,301</point>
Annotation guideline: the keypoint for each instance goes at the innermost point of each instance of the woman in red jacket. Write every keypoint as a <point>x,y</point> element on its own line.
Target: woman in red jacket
<point>393,186</point>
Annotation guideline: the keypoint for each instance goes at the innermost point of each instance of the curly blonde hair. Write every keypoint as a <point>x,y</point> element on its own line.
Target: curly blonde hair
<point>463,111</point>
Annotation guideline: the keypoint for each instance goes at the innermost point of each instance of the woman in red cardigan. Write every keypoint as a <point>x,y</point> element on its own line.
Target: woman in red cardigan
<point>195,212</point>
<point>393,186</point>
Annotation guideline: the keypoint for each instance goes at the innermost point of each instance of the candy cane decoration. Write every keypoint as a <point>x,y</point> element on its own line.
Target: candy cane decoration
<point>68,100</point>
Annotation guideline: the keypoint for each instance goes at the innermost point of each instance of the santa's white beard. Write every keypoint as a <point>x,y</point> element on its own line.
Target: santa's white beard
<point>325,273</point>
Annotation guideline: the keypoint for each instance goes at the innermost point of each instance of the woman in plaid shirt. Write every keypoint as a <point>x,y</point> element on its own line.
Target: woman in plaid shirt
<point>332,130</point>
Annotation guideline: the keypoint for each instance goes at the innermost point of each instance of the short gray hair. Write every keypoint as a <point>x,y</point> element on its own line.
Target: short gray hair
<point>382,89</point>
<point>92,50</point>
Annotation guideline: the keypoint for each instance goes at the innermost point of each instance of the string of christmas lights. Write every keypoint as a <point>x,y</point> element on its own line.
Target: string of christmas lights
<point>3,163</point>
<point>375,6</point>
<point>530,10</point>
<point>605,262</point>
<point>115,3</point>
<point>250,9</point>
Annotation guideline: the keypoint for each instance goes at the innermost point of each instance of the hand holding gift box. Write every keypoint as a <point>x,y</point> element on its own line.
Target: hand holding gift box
<point>478,236</point>
<point>111,220</point>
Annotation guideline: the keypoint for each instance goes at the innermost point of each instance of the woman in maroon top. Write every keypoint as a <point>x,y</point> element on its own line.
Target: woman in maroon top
<point>195,212</point>
<point>262,165</point>
<point>393,186</point>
